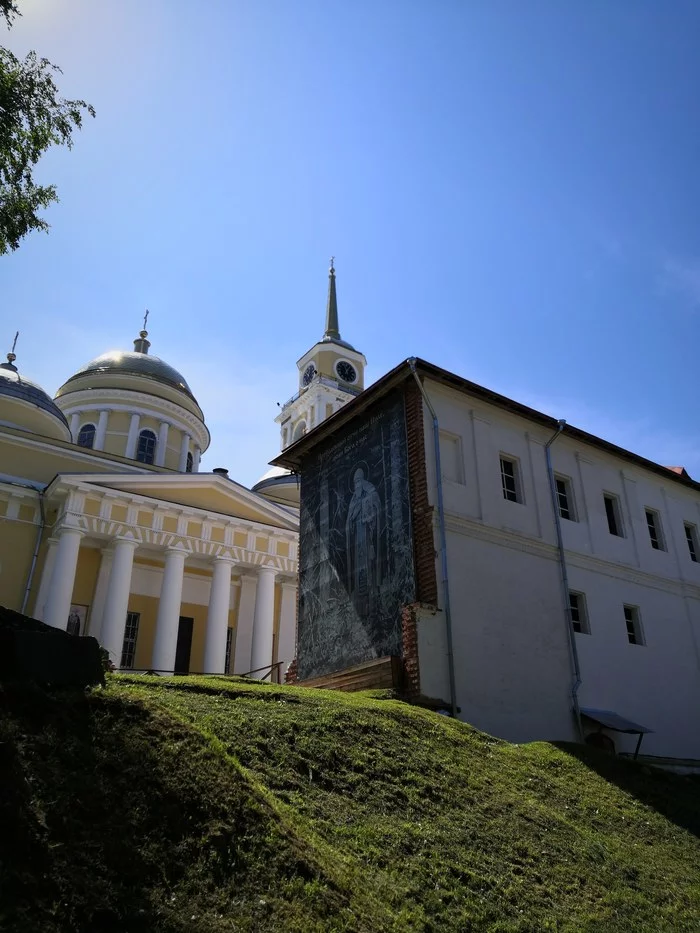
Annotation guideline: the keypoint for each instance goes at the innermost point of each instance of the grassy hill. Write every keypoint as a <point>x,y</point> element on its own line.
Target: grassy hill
<point>215,805</point>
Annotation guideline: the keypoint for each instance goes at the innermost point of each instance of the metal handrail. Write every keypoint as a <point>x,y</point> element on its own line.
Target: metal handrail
<point>159,670</point>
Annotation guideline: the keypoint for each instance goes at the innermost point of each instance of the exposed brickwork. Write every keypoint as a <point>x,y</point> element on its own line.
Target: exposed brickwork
<point>421,510</point>
<point>411,666</point>
<point>291,676</point>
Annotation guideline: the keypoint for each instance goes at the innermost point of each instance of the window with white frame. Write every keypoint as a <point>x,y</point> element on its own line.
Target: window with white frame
<point>510,479</point>
<point>189,465</point>
<point>579,613</point>
<point>146,450</point>
<point>86,436</point>
<point>565,497</point>
<point>691,536</point>
<point>656,535</point>
<point>451,462</point>
<point>229,647</point>
<point>131,632</point>
<point>613,514</point>
<point>634,626</point>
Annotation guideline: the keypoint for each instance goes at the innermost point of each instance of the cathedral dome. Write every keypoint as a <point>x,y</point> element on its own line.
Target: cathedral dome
<point>27,405</point>
<point>279,485</point>
<point>133,371</point>
<point>131,363</point>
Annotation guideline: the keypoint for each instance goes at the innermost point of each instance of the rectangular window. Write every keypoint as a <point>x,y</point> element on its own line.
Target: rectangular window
<point>634,627</point>
<point>565,498</point>
<point>131,633</point>
<point>579,615</point>
<point>612,511</point>
<point>691,536</point>
<point>229,645</point>
<point>510,480</point>
<point>655,532</point>
<point>451,464</point>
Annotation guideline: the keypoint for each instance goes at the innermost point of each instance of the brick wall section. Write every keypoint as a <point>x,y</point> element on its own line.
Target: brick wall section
<point>291,676</point>
<point>411,666</point>
<point>421,510</point>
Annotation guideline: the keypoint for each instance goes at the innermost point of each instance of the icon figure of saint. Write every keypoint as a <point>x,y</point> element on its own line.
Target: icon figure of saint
<point>362,528</point>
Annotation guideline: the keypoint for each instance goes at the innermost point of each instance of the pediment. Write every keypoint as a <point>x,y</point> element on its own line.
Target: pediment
<point>203,491</point>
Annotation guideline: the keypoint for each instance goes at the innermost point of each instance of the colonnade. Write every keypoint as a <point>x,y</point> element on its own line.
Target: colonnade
<point>186,445</point>
<point>254,644</point>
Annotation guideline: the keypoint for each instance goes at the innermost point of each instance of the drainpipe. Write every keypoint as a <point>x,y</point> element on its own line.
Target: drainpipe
<point>443,539</point>
<point>571,636</point>
<point>37,545</point>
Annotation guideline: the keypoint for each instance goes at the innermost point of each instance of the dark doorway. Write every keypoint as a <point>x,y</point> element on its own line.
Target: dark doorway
<point>184,645</point>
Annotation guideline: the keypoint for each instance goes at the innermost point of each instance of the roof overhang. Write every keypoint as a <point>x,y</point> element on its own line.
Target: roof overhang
<point>293,455</point>
<point>612,720</point>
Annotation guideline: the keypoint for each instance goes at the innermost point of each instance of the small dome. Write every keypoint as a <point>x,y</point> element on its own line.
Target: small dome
<point>131,363</point>
<point>12,385</point>
<point>280,485</point>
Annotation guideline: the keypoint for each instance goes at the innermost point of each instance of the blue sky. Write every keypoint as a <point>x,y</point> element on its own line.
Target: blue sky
<point>511,191</point>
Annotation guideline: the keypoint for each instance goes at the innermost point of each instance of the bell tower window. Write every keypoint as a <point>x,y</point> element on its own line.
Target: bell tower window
<point>146,450</point>
<point>86,436</point>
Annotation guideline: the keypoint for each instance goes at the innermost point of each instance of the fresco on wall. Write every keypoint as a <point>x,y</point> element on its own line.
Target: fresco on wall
<point>356,553</point>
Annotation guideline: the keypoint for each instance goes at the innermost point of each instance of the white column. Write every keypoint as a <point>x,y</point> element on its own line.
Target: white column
<point>184,450</point>
<point>217,617</point>
<point>162,447</point>
<point>101,432</point>
<point>244,624</point>
<point>165,646</point>
<point>196,454</point>
<point>63,578</point>
<point>287,643</point>
<point>98,601</point>
<point>117,598</point>
<point>133,437</point>
<point>263,623</point>
<point>74,425</point>
<point>49,560</point>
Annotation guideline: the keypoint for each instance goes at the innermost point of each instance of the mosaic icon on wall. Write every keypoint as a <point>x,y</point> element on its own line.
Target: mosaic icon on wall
<point>356,552</point>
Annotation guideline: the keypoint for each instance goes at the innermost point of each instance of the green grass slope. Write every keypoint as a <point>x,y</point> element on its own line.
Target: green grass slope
<point>215,805</point>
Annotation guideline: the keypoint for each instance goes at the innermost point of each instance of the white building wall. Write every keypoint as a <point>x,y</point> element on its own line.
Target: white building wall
<point>512,664</point>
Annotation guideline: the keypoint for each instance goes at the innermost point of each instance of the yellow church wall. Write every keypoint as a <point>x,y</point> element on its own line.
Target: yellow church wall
<point>17,543</point>
<point>329,409</point>
<point>115,444</point>
<point>240,539</point>
<point>119,422</point>
<point>91,507</point>
<point>145,519</point>
<point>118,513</point>
<point>199,614</point>
<point>261,543</point>
<point>170,524</point>
<point>86,576</point>
<point>149,423</point>
<point>217,534</point>
<point>3,507</point>
<point>26,513</point>
<point>147,607</point>
<point>194,529</point>
<point>283,549</point>
<point>43,465</point>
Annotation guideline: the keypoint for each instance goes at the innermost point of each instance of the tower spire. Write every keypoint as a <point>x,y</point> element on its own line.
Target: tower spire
<point>332,306</point>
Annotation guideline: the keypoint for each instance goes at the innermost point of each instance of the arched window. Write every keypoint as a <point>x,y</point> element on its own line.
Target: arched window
<point>190,463</point>
<point>86,435</point>
<point>146,451</point>
<point>299,431</point>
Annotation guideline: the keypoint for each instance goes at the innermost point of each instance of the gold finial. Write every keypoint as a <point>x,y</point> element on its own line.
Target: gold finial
<point>11,357</point>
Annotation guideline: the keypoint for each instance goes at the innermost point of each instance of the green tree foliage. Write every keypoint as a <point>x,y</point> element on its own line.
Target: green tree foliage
<point>33,117</point>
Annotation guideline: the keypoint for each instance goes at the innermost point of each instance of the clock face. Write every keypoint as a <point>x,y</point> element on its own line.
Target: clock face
<point>309,374</point>
<point>346,371</point>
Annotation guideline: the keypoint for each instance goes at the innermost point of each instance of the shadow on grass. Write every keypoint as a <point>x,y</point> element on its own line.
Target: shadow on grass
<point>674,796</point>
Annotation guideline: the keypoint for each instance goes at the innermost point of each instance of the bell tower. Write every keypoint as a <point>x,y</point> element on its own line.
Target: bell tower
<point>331,373</point>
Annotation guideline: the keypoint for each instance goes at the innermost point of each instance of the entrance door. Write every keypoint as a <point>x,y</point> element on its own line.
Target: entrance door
<point>184,645</point>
